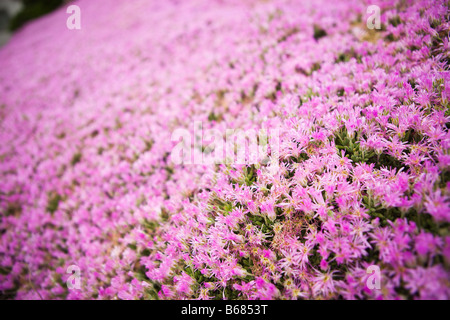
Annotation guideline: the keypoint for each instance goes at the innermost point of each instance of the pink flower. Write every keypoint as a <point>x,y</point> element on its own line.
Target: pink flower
<point>438,206</point>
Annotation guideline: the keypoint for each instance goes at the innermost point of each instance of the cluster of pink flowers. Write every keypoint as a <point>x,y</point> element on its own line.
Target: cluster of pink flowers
<point>86,118</point>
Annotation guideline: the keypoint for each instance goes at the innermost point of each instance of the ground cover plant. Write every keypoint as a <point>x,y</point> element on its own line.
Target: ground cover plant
<point>89,183</point>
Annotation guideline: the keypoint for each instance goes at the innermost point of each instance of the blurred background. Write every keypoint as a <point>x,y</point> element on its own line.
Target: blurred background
<point>16,13</point>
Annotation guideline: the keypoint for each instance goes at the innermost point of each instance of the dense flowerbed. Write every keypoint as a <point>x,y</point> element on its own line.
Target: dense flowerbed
<point>87,177</point>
